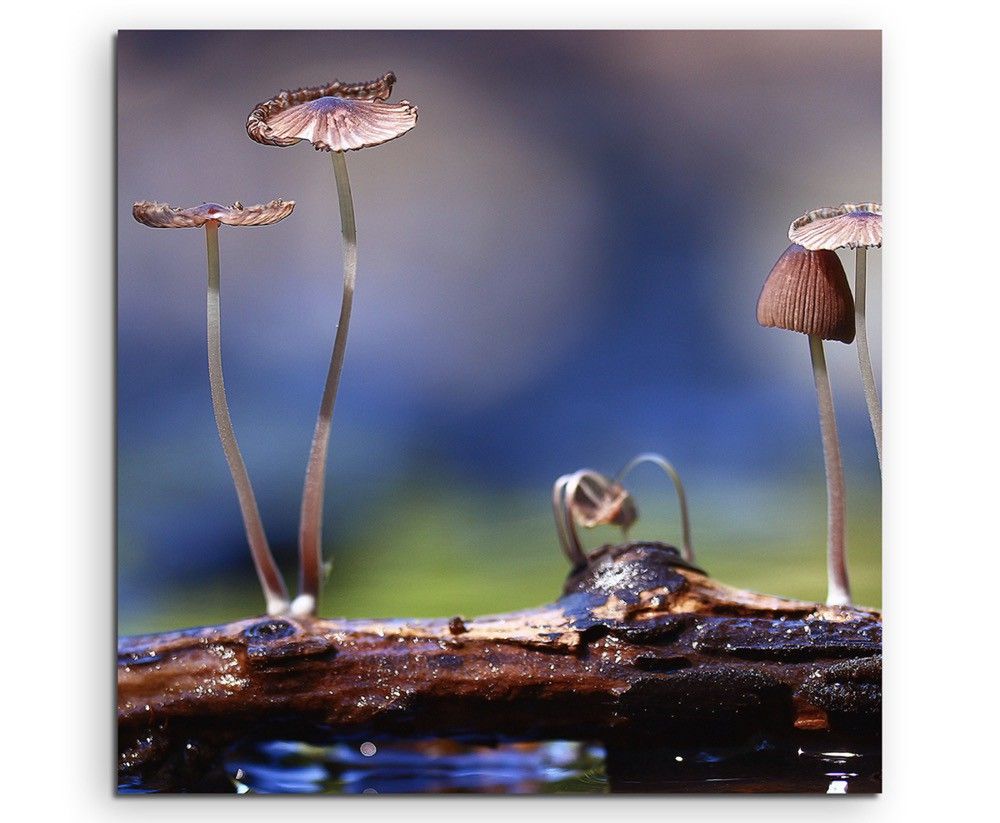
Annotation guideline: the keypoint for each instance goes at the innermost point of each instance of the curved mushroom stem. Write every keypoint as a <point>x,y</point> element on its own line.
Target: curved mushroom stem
<point>271,581</point>
<point>663,463</point>
<point>864,355</point>
<point>838,586</point>
<point>558,489</point>
<point>562,492</point>
<point>311,517</point>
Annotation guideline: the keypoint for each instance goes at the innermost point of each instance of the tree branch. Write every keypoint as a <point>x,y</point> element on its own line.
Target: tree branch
<point>639,646</point>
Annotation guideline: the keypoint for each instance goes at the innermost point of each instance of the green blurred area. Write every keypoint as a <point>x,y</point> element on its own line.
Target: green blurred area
<point>438,553</point>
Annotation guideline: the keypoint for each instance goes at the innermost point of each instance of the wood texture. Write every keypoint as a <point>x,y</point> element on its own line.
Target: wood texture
<point>640,646</point>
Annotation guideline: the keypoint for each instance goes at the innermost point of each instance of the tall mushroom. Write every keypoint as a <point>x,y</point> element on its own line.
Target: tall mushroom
<point>211,215</point>
<point>855,226</point>
<point>807,291</point>
<point>337,118</point>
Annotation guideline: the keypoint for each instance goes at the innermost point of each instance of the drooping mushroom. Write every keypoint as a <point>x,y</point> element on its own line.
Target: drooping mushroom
<point>671,472</point>
<point>337,118</point>
<point>855,226</point>
<point>807,291</point>
<point>588,498</point>
<point>211,215</point>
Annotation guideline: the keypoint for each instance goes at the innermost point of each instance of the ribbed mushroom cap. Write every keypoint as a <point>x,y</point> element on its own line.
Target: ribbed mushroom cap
<point>807,291</point>
<point>599,501</point>
<point>164,216</point>
<point>834,227</point>
<point>335,117</point>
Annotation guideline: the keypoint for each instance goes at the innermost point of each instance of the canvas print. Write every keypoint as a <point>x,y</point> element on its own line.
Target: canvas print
<point>499,412</point>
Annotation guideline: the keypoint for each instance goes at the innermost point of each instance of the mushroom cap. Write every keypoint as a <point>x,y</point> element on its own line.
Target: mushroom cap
<point>335,117</point>
<point>834,227</point>
<point>599,501</point>
<point>807,291</point>
<point>165,216</point>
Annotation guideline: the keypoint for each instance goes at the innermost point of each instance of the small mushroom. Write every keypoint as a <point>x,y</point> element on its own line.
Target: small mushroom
<point>211,215</point>
<point>807,291</point>
<point>337,118</point>
<point>855,226</point>
<point>588,498</point>
<point>671,472</point>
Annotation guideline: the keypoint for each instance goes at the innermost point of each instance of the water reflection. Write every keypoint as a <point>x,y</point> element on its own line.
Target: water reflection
<point>436,766</point>
<point>760,766</point>
<point>810,765</point>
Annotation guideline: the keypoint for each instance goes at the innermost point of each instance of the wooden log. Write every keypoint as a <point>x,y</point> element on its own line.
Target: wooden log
<point>640,646</point>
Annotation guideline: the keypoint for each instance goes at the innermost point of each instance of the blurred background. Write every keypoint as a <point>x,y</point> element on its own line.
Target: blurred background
<point>558,268</point>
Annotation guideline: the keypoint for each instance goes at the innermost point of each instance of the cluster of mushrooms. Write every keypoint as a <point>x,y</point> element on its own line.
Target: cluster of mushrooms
<point>336,118</point>
<point>807,291</point>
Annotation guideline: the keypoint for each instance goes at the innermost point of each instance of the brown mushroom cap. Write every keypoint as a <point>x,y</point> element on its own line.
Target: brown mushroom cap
<point>807,291</point>
<point>164,216</point>
<point>599,501</point>
<point>335,117</point>
<point>834,227</point>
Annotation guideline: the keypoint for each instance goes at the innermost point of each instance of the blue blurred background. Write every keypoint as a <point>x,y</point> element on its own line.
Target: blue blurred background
<point>559,268</point>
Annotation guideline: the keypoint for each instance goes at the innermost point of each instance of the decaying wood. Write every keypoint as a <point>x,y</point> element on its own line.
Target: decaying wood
<point>640,646</point>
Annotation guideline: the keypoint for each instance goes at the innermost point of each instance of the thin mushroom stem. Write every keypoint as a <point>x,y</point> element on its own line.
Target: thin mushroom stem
<point>563,491</point>
<point>577,555</point>
<point>671,472</point>
<point>838,586</point>
<point>864,355</point>
<point>558,490</point>
<point>275,594</point>
<point>311,518</point>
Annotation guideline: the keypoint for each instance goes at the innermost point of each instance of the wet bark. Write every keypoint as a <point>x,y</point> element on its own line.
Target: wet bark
<point>640,647</point>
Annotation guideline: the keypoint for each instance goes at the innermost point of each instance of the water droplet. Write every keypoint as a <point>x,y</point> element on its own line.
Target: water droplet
<point>368,749</point>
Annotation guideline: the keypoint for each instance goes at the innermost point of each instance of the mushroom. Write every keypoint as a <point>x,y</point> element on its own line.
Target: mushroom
<point>337,118</point>
<point>211,215</point>
<point>671,472</point>
<point>807,291</point>
<point>588,498</point>
<point>855,226</point>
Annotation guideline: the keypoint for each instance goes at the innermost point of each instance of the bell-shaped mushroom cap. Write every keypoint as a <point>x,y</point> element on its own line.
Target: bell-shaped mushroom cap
<point>164,216</point>
<point>834,227</point>
<point>335,117</point>
<point>599,501</point>
<point>807,291</point>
